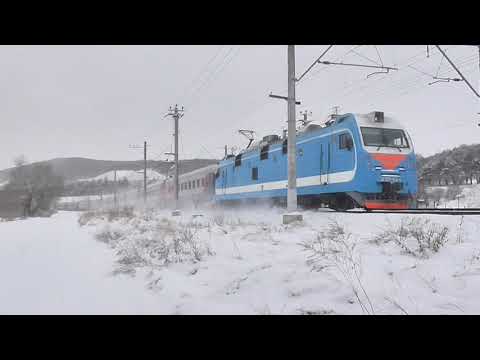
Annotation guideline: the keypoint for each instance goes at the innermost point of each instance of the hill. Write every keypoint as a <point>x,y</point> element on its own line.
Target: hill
<point>460,165</point>
<point>73,169</point>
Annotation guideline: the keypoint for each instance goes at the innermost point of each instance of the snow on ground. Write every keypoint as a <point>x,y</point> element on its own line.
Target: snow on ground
<point>51,266</point>
<point>74,199</point>
<point>130,175</point>
<point>256,266</point>
<point>469,197</point>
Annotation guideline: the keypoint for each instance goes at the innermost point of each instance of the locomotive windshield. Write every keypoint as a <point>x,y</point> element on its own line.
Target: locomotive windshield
<point>384,137</point>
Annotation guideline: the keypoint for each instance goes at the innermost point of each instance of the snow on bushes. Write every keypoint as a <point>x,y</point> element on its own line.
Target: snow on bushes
<point>334,249</point>
<point>142,239</point>
<point>415,236</point>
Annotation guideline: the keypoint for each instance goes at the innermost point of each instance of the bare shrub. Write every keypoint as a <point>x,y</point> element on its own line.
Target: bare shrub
<point>119,213</point>
<point>460,230</point>
<point>334,249</point>
<point>126,212</point>
<point>86,217</point>
<point>219,220</point>
<point>302,311</point>
<point>109,236</point>
<point>417,237</point>
<point>452,192</point>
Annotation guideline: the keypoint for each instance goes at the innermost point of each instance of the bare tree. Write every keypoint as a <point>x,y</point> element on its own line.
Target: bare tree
<point>39,184</point>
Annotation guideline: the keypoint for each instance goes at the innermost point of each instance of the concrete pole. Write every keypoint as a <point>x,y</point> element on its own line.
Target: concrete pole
<point>145,171</point>
<point>176,116</point>
<point>115,189</point>
<point>292,133</point>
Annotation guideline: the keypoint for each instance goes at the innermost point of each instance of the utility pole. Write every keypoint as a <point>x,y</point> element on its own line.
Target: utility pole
<point>292,134</point>
<point>176,113</point>
<point>144,169</point>
<point>145,172</point>
<point>115,189</point>
<point>292,137</point>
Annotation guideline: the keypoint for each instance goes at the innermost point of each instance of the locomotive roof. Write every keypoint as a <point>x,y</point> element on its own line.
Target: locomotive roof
<point>361,119</point>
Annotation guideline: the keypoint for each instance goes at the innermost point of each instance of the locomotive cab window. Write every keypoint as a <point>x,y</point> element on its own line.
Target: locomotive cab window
<point>345,141</point>
<point>255,173</point>
<point>382,137</point>
<point>264,152</point>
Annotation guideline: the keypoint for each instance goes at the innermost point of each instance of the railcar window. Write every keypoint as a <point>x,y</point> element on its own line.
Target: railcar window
<point>255,173</point>
<point>264,152</point>
<point>198,183</point>
<point>203,181</point>
<point>189,185</point>
<point>384,137</point>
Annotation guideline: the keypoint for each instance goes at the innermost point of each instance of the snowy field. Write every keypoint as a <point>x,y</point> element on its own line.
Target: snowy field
<point>469,197</point>
<point>130,175</point>
<point>242,261</point>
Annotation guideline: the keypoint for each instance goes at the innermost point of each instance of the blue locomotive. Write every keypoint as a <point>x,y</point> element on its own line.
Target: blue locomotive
<point>354,160</point>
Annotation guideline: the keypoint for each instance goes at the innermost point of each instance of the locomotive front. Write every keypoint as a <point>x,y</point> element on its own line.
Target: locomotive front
<point>388,179</point>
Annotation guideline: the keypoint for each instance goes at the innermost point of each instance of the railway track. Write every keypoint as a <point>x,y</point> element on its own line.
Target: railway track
<point>434,211</point>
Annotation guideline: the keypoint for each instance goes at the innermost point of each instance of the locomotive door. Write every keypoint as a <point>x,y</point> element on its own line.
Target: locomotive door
<point>324,163</point>
<point>224,181</point>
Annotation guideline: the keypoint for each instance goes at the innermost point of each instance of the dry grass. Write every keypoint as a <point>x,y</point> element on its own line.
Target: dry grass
<point>417,237</point>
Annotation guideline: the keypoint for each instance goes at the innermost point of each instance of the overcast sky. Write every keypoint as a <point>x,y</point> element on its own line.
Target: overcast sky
<point>93,101</point>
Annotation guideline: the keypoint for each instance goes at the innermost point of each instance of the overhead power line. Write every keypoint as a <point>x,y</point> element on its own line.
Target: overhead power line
<point>314,63</point>
<point>458,71</point>
<point>201,72</point>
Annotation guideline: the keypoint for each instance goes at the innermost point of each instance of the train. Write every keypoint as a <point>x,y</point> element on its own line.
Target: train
<point>351,161</point>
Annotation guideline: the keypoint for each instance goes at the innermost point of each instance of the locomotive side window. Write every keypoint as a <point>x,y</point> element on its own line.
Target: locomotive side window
<point>345,141</point>
<point>264,152</point>
<point>255,173</point>
<point>238,160</point>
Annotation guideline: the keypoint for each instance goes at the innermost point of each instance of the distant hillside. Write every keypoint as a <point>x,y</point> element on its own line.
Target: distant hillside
<point>81,168</point>
<point>456,166</point>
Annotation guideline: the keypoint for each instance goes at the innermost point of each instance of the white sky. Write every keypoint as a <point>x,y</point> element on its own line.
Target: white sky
<point>93,101</point>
